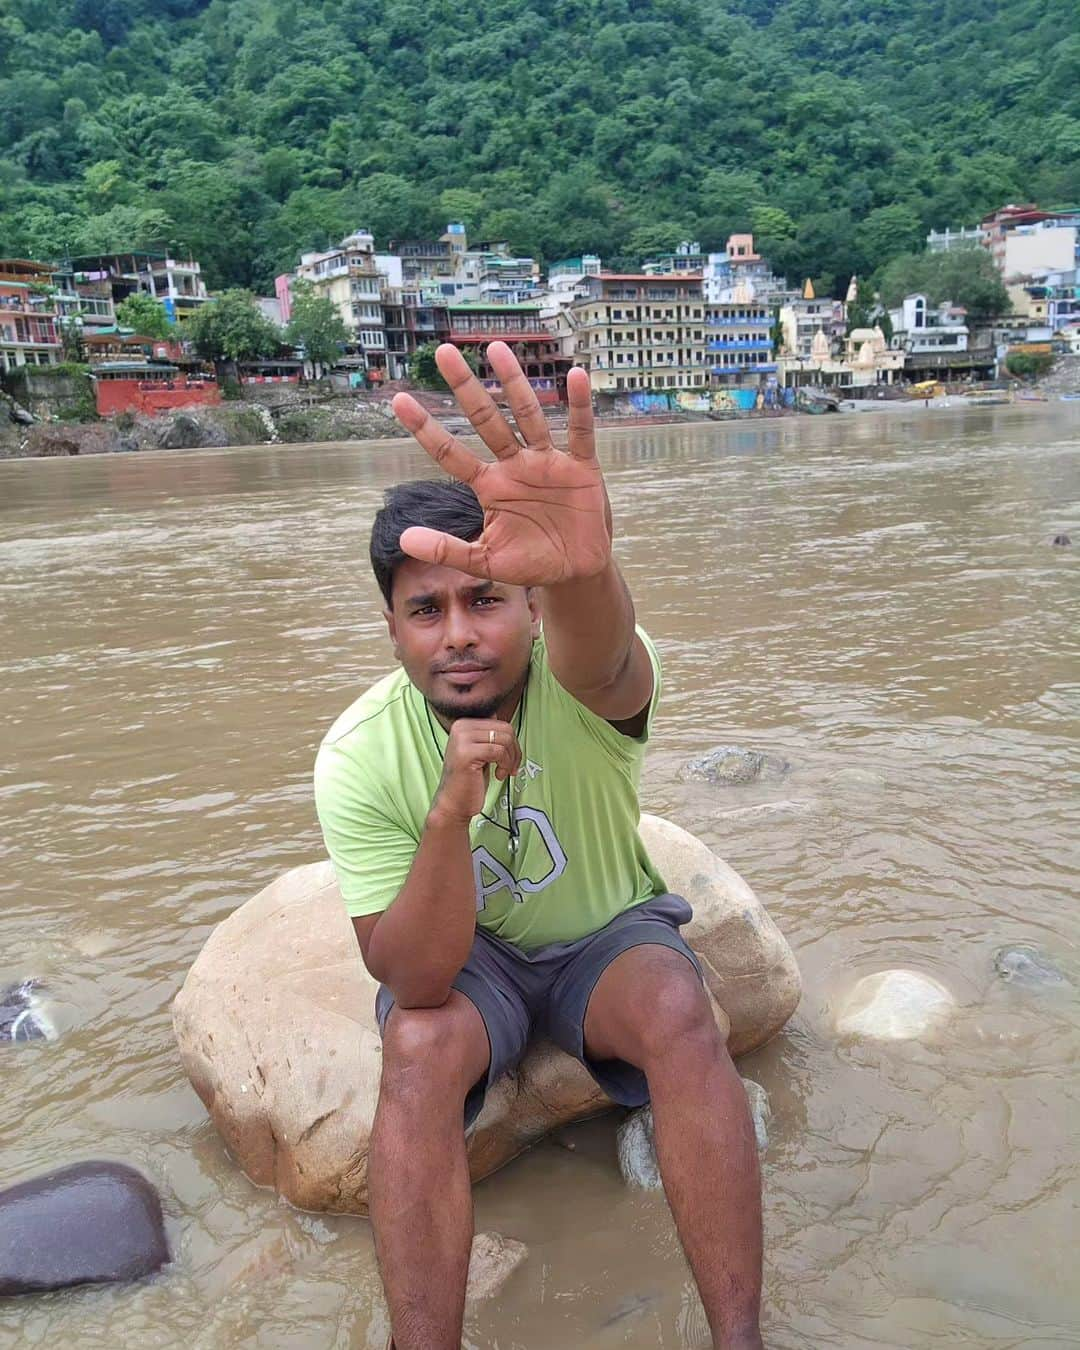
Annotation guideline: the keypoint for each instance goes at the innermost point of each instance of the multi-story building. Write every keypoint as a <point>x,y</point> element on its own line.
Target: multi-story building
<point>935,341</point>
<point>349,276</point>
<point>179,286</point>
<point>473,324</point>
<point>103,281</point>
<point>741,265</point>
<point>946,240</point>
<point>637,330</point>
<point>740,339</point>
<point>801,320</point>
<point>424,260</point>
<point>688,257</point>
<point>410,323</point>
<point>28,325</point>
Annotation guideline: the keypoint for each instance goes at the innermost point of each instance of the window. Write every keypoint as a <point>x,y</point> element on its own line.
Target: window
<point>618,382</point>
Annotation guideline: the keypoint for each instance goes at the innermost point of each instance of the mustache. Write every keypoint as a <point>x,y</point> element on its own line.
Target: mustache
<point>448,667</point>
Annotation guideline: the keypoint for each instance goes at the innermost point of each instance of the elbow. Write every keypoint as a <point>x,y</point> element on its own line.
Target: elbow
<point>409,995</point>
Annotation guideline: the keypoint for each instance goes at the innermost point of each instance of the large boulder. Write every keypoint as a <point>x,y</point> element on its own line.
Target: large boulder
<point>90,1223</point>
<point>276,1027</point>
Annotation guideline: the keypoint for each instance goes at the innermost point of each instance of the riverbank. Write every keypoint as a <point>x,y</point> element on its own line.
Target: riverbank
<point>276,415</point>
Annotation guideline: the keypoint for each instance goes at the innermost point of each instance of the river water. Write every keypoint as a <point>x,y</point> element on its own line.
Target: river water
<point>874,600</point>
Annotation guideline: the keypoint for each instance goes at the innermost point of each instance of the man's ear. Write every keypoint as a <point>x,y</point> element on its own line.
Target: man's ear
<point>391,628</point>
<point>532,599</point>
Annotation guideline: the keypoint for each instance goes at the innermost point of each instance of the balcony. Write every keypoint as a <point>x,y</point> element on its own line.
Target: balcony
<point>753,345</point>
<point>726,321</point>
<point>752,368</point>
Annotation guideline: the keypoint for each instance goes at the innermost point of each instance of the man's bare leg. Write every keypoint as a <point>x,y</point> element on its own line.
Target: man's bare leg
<point>649,1008</point>
<point>419,1192</point>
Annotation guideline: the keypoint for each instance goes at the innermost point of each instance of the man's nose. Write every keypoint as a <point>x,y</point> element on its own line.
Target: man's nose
<point>460,630</point>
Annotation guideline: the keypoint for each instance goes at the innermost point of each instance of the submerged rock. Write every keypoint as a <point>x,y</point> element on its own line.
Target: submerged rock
<point>636,1143</point>
<point>894,1005</point>
<point>492,1261</point>
<point>1062,541</point>
<point>22,1017</point>
<point>1027,966</point>
<point>91,1223</point>
<point>733,766</point>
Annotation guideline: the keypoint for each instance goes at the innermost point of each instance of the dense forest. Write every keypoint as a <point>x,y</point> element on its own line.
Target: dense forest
<point>248,130</point>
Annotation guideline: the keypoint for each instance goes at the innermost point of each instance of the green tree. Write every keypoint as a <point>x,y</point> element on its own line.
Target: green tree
<point>144,315</point>
<point>424,372</point>
<point>966,276</point>
<point>232,328</point>
<point>316,325</point>
<point>885,232</point>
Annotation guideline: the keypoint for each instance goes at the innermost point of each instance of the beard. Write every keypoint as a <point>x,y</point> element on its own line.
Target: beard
<point>452,711</point>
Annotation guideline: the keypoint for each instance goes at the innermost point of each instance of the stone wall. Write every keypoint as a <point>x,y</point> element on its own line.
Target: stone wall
<point>63,392</point>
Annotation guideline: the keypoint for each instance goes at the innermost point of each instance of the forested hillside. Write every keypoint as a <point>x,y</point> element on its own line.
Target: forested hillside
<point>247,130</point>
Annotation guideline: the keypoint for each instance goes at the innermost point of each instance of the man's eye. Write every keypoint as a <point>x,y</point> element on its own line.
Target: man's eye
<point>425,611</point>
<point>485,600</point>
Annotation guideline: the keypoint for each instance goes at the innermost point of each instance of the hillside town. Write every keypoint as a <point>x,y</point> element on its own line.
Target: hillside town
<point>688,331</point>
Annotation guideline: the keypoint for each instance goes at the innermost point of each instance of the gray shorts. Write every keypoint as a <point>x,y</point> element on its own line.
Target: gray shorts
<point>546,993</point>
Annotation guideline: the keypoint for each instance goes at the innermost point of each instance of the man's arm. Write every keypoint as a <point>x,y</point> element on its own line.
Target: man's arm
<point>417,946</point>
<point>593,650</point>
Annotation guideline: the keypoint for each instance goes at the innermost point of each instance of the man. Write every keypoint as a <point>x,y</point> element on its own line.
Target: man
<point>480,807</point>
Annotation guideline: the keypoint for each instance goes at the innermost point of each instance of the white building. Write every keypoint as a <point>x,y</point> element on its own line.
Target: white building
<point>918,328</point>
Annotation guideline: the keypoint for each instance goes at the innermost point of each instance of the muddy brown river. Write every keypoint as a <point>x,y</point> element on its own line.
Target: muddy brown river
<point>872,599</point>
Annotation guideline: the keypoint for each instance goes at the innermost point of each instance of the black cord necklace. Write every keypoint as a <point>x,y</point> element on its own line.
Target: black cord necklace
<point>512,830</point>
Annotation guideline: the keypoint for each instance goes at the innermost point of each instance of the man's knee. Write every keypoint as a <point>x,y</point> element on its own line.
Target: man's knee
<point>679,1022</point>
<point>432,1053</point>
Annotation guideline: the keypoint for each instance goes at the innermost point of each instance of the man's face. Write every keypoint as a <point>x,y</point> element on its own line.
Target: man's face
<point>464,642</point>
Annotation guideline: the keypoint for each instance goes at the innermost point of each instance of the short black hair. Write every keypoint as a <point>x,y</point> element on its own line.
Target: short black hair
<point>440,504</point>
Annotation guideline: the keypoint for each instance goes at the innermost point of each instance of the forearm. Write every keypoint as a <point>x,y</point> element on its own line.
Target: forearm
<point>589,630</point>
<point>422,941</point>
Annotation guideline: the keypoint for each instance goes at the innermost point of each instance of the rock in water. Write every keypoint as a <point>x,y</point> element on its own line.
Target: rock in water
<point>22,1017</point>
<point>91,1223</point>
<point>637,1151</point>
<point>1027,966</point>
<point>1062,541</point>
<point>637,1146</point>
<point>894,1005</point>
<point>492,1261</point>
<point>276,1027</point>
<point>730,766</point>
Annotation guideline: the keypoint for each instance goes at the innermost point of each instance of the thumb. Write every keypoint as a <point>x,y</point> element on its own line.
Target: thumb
<point>445,550</point>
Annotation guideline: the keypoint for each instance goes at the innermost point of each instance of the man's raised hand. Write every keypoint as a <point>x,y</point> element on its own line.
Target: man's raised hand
<point>546,518</point>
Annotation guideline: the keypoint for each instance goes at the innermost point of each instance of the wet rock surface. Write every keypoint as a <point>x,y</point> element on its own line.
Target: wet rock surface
<point>492,1261</point>
<point>91,1223</point>
<point>636,1143</point>
<point>894,1005</point>
<point>1029,968</point>
<point>732,766</point>
<point>276,1029</point>
<point>22,1017</point>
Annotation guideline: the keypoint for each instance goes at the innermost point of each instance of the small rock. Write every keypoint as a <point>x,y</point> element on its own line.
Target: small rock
<point>91,1223</point>
<point>1027,966</point>
<point>183,432</point>
<point>760,1111</point>
<point>492,1261</point>
<point>637,1146</point>
<point>637,1151</point>
<point>22,1018</point>
<point>894,1005</point>
<point>1062,541</point>
<point>732,766</point>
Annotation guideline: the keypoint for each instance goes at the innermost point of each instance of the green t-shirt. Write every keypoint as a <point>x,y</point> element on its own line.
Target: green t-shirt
<point>580,859</point>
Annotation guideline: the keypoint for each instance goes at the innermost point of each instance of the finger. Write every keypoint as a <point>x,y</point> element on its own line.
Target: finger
<point>476,403</point>
<point>432,546</point>
<point>446,450</point>
<point>520,394</point>
<point>581,432</point>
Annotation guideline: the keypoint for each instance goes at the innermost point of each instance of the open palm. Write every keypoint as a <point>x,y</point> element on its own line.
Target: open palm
<point>546,517</point>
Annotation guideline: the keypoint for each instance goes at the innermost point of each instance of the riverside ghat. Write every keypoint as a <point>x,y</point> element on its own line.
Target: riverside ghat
<point>865,790</point>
